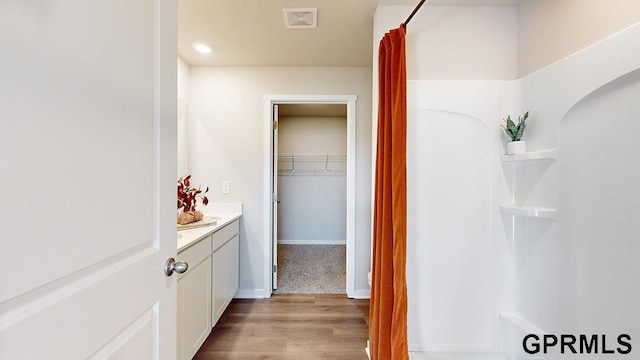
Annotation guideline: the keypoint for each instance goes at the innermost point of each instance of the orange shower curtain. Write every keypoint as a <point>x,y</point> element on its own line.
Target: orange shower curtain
<point>388,307</point>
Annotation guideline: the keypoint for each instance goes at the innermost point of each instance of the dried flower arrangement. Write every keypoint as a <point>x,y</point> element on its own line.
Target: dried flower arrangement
<point>187,198</point>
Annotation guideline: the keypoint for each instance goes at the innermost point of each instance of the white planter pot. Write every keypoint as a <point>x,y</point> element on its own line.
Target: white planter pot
<point>516,147</point>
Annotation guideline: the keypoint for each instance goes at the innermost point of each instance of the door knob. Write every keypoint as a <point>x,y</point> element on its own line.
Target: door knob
<point>172,265</point>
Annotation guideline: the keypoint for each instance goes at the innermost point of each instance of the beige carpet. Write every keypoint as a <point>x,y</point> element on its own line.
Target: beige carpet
<point>311,269</point>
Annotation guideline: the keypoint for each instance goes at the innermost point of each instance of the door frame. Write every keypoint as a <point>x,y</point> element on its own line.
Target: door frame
<point>269,102</point>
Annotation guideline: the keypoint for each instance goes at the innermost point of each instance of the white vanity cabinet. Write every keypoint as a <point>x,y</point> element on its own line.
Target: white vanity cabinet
<point>194,300</point>
<point>209,284</point>
<point>225,268</point>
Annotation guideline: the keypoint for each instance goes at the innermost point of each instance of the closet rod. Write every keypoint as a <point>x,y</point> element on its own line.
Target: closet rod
<point>406,22</point>
<point>313,157</point>
<point>311,172</point>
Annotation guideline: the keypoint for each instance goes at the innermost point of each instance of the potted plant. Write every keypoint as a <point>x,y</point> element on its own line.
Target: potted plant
<point>187,199</point>
<point>514,132</point>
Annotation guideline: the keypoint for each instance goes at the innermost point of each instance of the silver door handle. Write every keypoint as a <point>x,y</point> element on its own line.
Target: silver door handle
<point>172,265</point>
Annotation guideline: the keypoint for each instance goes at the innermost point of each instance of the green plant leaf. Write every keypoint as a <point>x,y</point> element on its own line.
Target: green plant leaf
<point>520,132</point>
<point>513,130</point>
<point>522,124</point>
<point>510,128</point>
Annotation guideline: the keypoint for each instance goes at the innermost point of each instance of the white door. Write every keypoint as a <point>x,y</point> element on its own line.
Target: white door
<point>88,164</point>
<point>274,198</point>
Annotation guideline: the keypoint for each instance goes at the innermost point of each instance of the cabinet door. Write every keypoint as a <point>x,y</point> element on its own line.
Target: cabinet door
<point>226,263</point>
<point>194,308</point>
<point>219,293</point>
<point>233,267</point>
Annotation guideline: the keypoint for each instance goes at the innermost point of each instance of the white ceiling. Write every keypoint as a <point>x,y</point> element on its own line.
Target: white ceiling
<point>253,33</point>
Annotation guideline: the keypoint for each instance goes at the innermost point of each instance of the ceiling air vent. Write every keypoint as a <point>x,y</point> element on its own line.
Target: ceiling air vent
<point>301,18</point>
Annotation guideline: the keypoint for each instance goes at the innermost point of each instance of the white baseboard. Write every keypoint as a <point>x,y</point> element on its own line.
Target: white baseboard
<point>430,356</point>
<point>362,294</point>
<point>419,355</point>
<point>312,242</point>
<point>259,294</point>
<point>250,294</point>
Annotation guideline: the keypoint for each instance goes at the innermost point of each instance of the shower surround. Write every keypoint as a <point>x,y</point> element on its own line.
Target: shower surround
<point>500,247</point>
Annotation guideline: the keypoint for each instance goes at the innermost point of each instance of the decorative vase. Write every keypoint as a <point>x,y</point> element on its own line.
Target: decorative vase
<point>516,147</point>
<point>188,217</point>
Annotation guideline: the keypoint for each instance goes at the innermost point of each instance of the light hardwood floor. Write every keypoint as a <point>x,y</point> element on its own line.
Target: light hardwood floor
<point>287,327</point>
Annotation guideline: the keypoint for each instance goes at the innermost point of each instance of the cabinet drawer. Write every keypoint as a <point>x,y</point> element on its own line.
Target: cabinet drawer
<point>223,235</point>
<point>196,253</point>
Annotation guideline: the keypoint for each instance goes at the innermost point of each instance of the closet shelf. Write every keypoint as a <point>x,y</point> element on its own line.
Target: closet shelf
<point>550,154</point>
<point>530,211</point>
<point>312,165</point>
<point>290,172</point>
<point>312,157</point>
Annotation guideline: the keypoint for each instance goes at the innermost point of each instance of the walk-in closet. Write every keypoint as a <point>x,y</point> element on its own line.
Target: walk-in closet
<point>312,190</point>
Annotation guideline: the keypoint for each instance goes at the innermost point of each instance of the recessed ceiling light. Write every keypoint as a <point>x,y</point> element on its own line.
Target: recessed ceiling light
<point>202,48</point>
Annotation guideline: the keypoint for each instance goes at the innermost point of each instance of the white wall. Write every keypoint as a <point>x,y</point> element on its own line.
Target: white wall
<point>549,31</point>
<point>312,210</point>
<point>183,80</point>
<point>501,43</point>
<point>313,134</point>
<point>227,143</point>
<point>313,203</point>
<point>455,42</point>
<point>183,108</point>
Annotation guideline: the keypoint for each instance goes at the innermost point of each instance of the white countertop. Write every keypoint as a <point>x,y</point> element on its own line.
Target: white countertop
<point>222,213</point>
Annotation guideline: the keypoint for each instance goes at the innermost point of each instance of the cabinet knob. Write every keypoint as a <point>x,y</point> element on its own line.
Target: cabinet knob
<point>172,265</point>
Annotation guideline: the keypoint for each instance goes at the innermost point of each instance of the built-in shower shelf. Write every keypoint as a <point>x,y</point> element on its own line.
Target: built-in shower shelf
<point>530,211</point>
<point>550,154</point>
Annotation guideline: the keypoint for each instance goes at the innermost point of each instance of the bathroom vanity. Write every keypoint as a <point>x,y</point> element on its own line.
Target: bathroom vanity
<point>211,280</point>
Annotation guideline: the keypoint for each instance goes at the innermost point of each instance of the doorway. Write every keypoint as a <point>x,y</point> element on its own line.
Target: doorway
<point>271,171</point>
<point>311,199</point>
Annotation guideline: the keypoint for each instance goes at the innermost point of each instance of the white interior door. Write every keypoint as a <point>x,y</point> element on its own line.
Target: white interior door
<point>274,198</point>
<point>88,158</point>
